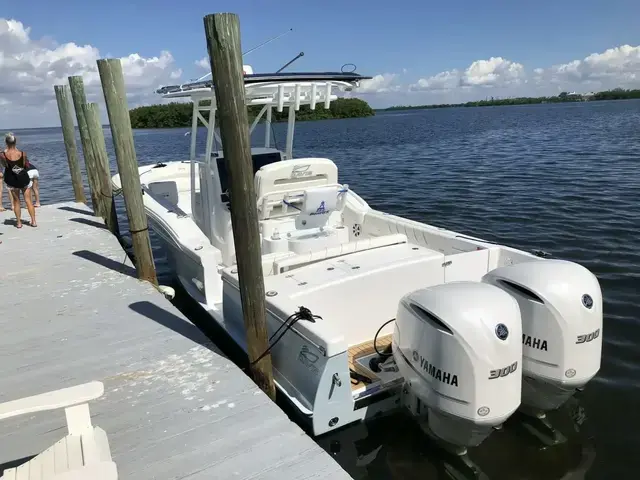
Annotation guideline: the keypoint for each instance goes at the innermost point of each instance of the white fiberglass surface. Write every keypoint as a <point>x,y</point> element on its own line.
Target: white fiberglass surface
<point>171,182</point>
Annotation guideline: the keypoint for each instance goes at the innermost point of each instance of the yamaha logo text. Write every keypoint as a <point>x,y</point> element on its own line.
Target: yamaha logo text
<point>533,342</point>
<point>437,373</point>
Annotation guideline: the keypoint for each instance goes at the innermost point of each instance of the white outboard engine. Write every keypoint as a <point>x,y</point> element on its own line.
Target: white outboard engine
<point>458,347</point>
<point>561,308</point>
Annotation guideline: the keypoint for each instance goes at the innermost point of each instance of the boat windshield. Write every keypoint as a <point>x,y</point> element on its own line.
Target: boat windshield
<point>259,156</point>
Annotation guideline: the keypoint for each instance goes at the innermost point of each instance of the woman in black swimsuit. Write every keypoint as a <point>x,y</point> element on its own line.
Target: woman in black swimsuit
<point>17,178</point>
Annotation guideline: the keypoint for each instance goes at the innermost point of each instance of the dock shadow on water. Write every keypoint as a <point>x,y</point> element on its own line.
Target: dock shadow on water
<point>394,447</point>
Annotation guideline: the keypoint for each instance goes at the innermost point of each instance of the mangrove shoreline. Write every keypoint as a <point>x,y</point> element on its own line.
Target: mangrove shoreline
<point>564,97</point>
<point>178,114</point>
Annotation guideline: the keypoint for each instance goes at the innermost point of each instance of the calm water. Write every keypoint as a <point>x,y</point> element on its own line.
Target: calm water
<point>561,178</point>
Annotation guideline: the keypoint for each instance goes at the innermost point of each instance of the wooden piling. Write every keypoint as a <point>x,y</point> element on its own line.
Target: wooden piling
<point>222,31</point>
<point>79,98</point>
<point>91,112</point>
<point>69,135</point>
<point>113,87</point>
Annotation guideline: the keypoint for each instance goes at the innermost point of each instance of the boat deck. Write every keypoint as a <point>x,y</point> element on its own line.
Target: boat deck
<point>363,350</point>
<point>174,407</point>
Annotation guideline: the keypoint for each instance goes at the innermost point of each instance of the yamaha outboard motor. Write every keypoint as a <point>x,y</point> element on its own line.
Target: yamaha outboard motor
<point>458,347</point>
<point>561,308</point>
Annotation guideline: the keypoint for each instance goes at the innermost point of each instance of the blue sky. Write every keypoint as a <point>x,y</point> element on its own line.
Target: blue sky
<point>422,52</point>
<point>378,36</point>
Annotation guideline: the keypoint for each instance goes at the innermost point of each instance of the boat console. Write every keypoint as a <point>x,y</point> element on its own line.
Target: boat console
<point>300,205</point>
<point>260,157</point>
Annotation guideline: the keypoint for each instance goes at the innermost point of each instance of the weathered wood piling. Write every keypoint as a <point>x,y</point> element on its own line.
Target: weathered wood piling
<point>69,134</point>
<point>113,87</point>
<point>222,32</point>
<point>97,160</point>
<point>91,112</point>
<point>79,97</point>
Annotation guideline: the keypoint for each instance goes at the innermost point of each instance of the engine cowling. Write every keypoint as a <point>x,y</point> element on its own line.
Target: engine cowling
<point>561,307</point>
<point>458,346</point>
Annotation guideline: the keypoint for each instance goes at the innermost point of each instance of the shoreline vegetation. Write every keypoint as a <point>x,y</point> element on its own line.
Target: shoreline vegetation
<point>564,97</point>
<point>178,114</point>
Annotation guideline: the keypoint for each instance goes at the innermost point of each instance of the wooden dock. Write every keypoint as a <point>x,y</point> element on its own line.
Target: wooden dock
<point>174,406</point>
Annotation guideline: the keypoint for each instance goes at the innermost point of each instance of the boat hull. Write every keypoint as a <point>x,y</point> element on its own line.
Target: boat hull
<point>183,267</point>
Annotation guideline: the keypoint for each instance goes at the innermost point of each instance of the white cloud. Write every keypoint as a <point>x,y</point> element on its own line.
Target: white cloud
<point>615,67</point>
<point>501,77</point>
<point>442,81</point>
<point>493,73</point>
<point>381,83</point>
<point>29,68</point>
<point>203,63</point>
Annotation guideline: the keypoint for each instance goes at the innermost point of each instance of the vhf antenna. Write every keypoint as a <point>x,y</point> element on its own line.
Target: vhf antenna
<point>268,41</point>
<point>256,48</point>
<point>301,54</point>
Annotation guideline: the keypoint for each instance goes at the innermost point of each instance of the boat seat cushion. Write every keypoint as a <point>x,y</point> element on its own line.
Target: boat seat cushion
<point>320,200</point>
<point>289,176</point>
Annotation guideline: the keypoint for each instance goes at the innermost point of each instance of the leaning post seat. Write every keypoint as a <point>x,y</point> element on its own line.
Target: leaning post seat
<point>276,182</point>
<point>312,222</point>
<point>318,203</point>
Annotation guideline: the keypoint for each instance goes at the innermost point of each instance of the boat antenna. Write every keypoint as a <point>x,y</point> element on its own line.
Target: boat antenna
<point>301,54</point>
<point>253,50</point>
<point>268,41</point>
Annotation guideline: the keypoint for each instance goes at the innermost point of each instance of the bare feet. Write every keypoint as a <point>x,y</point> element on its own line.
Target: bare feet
<point>33,223</point>
<point>36,204</point>
<point>2,209</point>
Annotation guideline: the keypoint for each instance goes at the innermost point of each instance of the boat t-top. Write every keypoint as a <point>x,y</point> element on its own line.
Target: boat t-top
<point>378,310</point>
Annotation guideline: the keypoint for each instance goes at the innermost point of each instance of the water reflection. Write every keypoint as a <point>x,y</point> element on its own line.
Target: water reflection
<point>394,447</point>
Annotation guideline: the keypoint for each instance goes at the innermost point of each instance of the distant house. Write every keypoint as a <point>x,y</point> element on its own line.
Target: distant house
<point>575,96</point>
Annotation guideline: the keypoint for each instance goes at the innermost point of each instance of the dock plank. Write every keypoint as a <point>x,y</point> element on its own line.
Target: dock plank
<point>174,406</point>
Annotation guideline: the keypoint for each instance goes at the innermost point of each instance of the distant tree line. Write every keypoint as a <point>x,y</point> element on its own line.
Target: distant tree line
<point>615,94</point>
<point>171,115</point>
